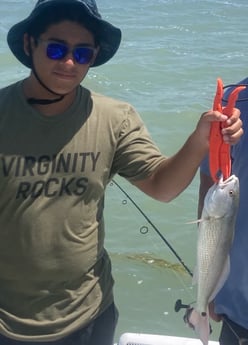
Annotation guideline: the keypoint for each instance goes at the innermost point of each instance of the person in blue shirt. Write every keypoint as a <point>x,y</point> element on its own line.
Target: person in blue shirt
<point>231,303</point>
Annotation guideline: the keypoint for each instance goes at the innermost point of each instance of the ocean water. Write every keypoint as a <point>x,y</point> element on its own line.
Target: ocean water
<point>171,54</point>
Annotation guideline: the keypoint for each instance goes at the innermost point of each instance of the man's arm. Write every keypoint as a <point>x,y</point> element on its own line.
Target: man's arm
<point>176,172</point>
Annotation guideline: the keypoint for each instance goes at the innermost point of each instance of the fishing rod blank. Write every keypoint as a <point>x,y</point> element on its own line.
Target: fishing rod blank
<point>155,228</point>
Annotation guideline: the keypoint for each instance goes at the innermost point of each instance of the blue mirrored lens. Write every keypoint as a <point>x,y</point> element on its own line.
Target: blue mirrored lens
<point>57,51</point>
<point>83,55</point>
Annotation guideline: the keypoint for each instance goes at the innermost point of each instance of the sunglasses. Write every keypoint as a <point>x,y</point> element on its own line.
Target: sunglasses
<point>57,51</point>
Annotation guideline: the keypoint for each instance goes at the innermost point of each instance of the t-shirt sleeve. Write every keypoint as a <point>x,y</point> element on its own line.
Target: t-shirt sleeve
<point>137,156</point>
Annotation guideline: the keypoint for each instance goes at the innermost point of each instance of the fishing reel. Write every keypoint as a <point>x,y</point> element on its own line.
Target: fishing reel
<point>179,305</point>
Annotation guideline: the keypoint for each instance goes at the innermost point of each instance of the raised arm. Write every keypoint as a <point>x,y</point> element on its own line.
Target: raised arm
<point>176,172</point>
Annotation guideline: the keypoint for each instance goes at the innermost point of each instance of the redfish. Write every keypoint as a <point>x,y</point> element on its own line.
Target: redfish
<point>215,236</point>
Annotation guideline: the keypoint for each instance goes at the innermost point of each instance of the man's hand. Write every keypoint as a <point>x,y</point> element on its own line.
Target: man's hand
<point>232,126</point>
<point>212,314</point>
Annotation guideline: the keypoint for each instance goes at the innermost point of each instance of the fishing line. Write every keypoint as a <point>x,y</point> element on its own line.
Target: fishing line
<point>144,229</point>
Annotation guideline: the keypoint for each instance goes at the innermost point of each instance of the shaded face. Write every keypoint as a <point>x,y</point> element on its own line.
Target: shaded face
<point>64,74</point>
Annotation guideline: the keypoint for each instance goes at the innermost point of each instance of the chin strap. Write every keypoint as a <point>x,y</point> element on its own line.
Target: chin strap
<point>44,101</point>
<point>37,100</point>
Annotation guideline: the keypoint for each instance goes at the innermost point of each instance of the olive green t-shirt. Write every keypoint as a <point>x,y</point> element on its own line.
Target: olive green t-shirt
<point>55,275</point>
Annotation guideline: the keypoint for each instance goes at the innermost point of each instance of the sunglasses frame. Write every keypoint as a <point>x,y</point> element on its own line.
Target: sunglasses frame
<point>64,49</point>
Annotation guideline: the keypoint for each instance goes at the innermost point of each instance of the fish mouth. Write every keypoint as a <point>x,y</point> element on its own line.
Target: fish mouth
<point>232,182</point>
<point>232,178</point>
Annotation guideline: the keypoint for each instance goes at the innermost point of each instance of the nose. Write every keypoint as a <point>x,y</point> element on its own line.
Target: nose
<point>69,59</point>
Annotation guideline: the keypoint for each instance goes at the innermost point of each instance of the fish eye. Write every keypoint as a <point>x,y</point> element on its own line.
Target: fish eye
<point>231,193</point>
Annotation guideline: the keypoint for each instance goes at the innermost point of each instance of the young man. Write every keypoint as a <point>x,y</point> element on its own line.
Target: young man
<point>60,145</point>
<point>231,303</point>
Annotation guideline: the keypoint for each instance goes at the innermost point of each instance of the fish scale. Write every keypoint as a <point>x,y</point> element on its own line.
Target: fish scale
<point>213,239</point>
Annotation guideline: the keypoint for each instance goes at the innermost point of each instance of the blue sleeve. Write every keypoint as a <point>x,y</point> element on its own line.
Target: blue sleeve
<point>204,167</point>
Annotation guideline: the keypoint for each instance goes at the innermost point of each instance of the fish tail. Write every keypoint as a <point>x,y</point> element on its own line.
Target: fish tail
<point>200,323</point>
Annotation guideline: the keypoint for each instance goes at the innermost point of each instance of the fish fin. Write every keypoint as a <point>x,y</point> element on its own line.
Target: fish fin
<point>200,324</point>
<point>223,277</point>
<point>197,221</point>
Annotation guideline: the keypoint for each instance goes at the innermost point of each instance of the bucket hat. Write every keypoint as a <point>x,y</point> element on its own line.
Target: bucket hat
<point>108,36</point>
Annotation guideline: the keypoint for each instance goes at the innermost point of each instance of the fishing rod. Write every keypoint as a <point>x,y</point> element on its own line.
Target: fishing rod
<point>155,228</point>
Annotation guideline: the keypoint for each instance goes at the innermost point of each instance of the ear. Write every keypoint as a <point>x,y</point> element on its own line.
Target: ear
<point>26,44</point>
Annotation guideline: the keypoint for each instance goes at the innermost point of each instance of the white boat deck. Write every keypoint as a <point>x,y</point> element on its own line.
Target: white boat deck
<point>154,339</point>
